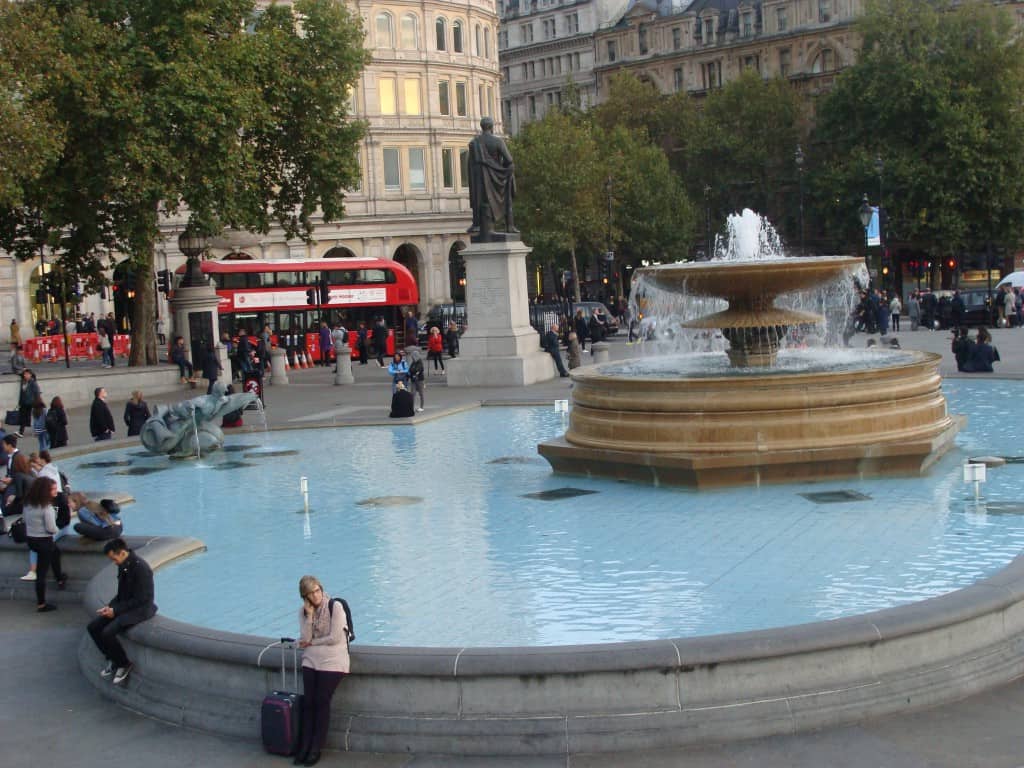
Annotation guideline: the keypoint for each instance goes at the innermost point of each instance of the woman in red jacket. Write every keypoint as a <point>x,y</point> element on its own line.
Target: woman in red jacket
<point>435,343</point>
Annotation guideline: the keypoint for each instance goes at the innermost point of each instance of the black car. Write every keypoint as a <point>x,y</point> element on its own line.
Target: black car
<point>977,309</point>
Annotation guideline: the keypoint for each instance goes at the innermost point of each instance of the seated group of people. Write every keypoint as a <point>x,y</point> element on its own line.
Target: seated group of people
<point>974,355</point>
<point>98,520</point>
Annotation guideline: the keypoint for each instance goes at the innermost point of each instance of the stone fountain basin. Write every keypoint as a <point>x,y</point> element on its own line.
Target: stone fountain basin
<point>885,418</point>
<point>740,281</point>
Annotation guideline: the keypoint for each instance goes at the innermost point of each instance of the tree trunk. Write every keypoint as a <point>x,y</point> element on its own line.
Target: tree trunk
<point>575,275</point>
<point>143,314</point>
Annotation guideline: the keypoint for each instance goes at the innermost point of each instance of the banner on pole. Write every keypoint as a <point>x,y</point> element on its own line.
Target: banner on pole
<point>873,230</point>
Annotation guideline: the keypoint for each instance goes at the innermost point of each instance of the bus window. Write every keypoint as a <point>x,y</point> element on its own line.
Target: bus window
<point>374,276</point>
<point>287,278</point>
<point>254,279</point>
<point>340,277</point>
<point>231,280</point>
<point>310,278</point>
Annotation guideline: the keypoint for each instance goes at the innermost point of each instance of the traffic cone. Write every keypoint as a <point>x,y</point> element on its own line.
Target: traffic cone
<point>305,359</point>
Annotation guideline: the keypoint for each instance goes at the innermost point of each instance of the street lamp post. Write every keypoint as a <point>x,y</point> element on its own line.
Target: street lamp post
<point>192,244</point>
<point>798,157</point>
<point>865,219</point>
<point>707,222</point>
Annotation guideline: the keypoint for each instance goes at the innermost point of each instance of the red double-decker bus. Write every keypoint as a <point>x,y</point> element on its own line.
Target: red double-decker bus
<point>257,292</point>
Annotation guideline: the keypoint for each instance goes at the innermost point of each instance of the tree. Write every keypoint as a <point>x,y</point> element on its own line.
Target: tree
<point>559,208</point>
<point>936,97</point>
<point>240,117</point>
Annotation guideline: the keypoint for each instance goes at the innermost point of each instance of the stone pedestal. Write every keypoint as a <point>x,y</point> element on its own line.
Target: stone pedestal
<point>343,369</point>
<point>195,320</point>
<point>500,347</point>
<point>599,352</point>
<point>278,370</point>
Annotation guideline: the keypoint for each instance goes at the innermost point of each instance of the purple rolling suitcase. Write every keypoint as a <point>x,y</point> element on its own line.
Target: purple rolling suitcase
<point>281,713</point>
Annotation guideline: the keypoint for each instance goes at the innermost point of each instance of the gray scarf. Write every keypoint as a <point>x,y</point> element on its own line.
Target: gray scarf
<point>322,617</point>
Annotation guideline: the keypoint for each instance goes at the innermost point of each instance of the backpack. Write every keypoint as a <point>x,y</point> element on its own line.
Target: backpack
<point>348,615</point>
<point>18,532</point>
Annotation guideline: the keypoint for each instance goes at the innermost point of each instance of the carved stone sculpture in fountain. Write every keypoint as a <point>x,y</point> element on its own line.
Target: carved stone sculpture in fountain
<point>191,427</point>
<point>822,415</point>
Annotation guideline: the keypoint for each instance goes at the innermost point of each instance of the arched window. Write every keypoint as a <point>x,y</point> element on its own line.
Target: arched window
<point>487,42</point>
<point>409,32</point>
<point>825,61</point>
<point>477,39</point>
<point>457,36</point>
<point>384,35</point>
<point>441,28</point>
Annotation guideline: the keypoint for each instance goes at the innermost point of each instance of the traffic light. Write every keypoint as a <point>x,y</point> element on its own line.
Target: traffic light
<point>325,292</point>
<point>951,264</point>
<point>163,281</point>
<point>311,296</point>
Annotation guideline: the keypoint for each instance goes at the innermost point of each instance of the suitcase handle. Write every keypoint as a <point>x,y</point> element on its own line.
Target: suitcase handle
<point>283,643</point>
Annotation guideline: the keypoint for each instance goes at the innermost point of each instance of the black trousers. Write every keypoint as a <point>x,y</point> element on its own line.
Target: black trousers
<point>317,690</point>
<point>104,632</point>
<point>24,417</point>
<point>438,360</point>
<point>48,554</point>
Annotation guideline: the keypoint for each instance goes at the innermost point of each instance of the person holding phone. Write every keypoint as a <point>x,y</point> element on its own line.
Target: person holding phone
<point>323,636</point>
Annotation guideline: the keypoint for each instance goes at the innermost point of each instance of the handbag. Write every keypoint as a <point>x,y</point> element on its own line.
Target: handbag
<point>13,418</point>
<point>18,532</point>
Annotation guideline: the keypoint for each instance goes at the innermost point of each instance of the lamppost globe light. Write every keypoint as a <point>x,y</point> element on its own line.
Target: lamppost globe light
<point>865,212</point>
<point>192,244</point>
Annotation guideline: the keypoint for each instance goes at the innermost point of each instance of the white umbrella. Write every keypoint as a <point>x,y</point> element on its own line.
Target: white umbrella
<point>1014,279</point>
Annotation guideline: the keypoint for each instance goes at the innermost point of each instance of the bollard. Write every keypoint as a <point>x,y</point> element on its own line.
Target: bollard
<point>599,351</point>
<point>278,366</point>
<point>343,366</point>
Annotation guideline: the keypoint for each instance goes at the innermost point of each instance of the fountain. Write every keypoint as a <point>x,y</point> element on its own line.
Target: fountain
<point>770,415</point>
<point>188,428</point>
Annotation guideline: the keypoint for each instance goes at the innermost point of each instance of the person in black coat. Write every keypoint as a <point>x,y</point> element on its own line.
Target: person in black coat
<point>451,338</point>
<point>101,421</point>
<point>582,329</point>
<point>57,423</point>
<point>211,367</point>
<point>135,413</point>
<point>132,605</point>
<point>403,404</point>
<point>551,345</point>
<point>27,397</point>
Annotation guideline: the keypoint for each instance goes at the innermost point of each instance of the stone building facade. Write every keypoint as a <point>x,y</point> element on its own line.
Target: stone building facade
<point>433,74</point>
<point>543,45</point>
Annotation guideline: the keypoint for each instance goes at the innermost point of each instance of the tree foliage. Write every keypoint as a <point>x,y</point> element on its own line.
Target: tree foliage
<point>936,96</point>
<point>242,118</point>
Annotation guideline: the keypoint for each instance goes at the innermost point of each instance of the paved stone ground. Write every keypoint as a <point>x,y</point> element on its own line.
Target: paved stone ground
<point>52,716</point>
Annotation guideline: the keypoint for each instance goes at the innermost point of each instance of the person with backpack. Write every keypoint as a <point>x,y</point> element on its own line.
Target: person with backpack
<point>416,373</point>
<point>325,631</point>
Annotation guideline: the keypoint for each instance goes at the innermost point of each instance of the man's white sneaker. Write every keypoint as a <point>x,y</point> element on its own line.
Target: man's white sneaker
<point>122,674</point>
<point>30,576</point>
<point>108,670</point>
<point>419,409</point>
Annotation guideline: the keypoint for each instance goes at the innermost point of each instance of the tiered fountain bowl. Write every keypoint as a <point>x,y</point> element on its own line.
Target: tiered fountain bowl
<point>756,420</point>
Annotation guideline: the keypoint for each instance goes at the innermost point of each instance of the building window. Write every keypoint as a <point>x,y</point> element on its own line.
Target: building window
<point>543,67</point>
<point>417,169</point>
<point>533,107</point>
<point>481,93</point>
<point>460,99</point>
<point>503,39</point>
<point>457,36</point>
<point>548,26</point>
<point>441,33</point>
<point>781,20</point>
<point>551,99</point>
<point>448,168</point>
<point>478,40</point>
<point>784,62</point>
<point>611,50</point>
<point>487,42</point>
<point>576,62</point>
<point>533,70</point>
<point>709,31</point>
<point>388,104</point>
<point>824,62</point>
<point>824,11</point>
<point>384,33</point>
<point>712,71</point>
<point>641,37</point>
<point>464,167</point>
<point>409,32</point>
<point>752,62</point>
<point>492,105</point>
<point>572,24</point>
<point>526,33</point>
<point>411,91</point>
<point>443,97</point>
<point>392,170</point>
<point>507,109</point>
<point>677,79</point>
<point>747,24</point>
<point>677,38</point>
<point>557,64</point>
<point>526,72</point>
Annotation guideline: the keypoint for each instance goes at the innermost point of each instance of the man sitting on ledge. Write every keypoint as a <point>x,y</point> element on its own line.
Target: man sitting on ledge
<point>132,605</point>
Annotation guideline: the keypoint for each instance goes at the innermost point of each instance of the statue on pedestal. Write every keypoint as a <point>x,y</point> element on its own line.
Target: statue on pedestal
<point>191,427</point>
<point>492,185</point>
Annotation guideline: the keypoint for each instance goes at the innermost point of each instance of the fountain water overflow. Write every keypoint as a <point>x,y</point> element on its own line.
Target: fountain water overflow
<point>770,415</point>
